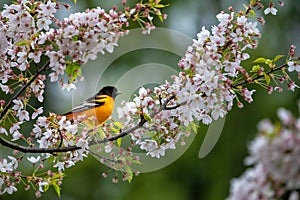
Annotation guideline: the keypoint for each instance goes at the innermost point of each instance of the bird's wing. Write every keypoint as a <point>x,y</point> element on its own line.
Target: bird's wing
<point>87,104</point>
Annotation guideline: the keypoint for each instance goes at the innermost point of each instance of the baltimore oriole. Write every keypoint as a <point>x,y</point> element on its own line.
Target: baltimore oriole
<point>101,106</point>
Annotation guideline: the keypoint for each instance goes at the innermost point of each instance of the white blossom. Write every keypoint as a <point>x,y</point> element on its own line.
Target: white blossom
<point>3,131</point>
<point>18,105</point>
<point>271,10</point>
<point>33,159</point>
<point>60,166</point>
<point>10,189</point>
<point>37,112</point>
<point>23,115</point>
<point>6,166</point>
<point>293,66</point>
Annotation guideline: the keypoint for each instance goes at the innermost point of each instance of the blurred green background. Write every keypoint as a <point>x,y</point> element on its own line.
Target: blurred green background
<point>188,177</point>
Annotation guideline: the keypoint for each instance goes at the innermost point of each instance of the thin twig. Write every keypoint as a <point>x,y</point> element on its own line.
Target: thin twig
<point>104,158</point>
<point>36,150</point>
<point>259,76</point>
<point>9,104</point>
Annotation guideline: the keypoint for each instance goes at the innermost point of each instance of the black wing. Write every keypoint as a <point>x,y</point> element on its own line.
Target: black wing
<point>90,103</point>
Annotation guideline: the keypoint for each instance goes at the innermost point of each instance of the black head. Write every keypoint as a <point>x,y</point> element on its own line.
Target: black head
<point>110,91</point>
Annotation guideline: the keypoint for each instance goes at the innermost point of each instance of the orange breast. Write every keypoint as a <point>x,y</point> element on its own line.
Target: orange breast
<point>101,113</point>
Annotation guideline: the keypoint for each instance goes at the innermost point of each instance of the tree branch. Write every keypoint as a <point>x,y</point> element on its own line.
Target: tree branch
<point>259,76</point>
<point>6,108</point>
<point>163,106</point>
<point>36,150</point>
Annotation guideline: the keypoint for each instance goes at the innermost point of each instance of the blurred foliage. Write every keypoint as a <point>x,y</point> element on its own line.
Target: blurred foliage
<point>189,177</point>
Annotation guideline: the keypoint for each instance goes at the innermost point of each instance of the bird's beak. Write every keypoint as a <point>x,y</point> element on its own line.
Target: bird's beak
<point>118,93</point>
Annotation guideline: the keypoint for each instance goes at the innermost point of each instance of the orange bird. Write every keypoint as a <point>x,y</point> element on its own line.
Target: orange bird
<point>101,106</point>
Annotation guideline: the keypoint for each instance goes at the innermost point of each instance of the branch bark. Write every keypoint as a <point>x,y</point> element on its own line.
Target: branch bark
<point>18,147</point>
<point>23,149</point>
<point>9,104</point>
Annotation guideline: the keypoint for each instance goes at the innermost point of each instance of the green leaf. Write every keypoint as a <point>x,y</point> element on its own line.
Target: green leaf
<point>118,124</point>
<point>269,61</point>
<point>130,174</point>
<point>75,1</point>
<point>160,18</point>
<point>260,60</point>
<point>161,5</point>
<point>73,70</point>
<point>57,189</point>
<point>255,68</point>
<point>115,130</point>
<point>46,187</point>
<point>252,12</point>
<point>23,43</point>
<point>58,176</point>
<point>193,126</point>
<point>101,133</point>
<point>267,77</point>
<point>75,38</point>
<point>147,117</point>
<point>277,58</point>
<point>119,142</point>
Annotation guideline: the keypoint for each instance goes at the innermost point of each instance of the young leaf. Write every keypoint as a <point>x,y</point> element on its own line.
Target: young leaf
<point>118,124</point>
<point>46,187</point>
<point>115,130</point>
<point>277,58</point>
<point>193,127</point>
<point>147,117</point>
<point>269,62</point>
<point>160,17</point>
<point>267,77</point>
<point>161,5</point>
<point>260,60</point>
<point>56,188</point>
<point>255,68</point>
<point>130,174</point>
<point>119,141</point>
<point>101,133</point>
<point>73,70</point>
<point>23,43</point>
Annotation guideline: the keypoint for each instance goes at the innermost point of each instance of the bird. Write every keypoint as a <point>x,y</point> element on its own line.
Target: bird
<point>100,106</point>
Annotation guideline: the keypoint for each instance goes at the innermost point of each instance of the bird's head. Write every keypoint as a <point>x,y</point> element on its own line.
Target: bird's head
<point>110,91</point>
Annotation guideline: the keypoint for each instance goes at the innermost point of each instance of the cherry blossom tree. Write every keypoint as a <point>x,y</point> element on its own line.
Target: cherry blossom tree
<point>36,46</point>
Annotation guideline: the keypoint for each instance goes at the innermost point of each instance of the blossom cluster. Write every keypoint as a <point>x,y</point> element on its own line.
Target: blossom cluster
<point>275,156</point>
<point>203,90</point>
<point>20,31</point>
<point>25,28</point>
<point>161,130</point>
<point>48,132</point>
<point>212,77</point>
<point>81,37</point>
<point>36,46</point>
<point>55,131</point>
<point>7,166</point>
<point>34,42</point>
